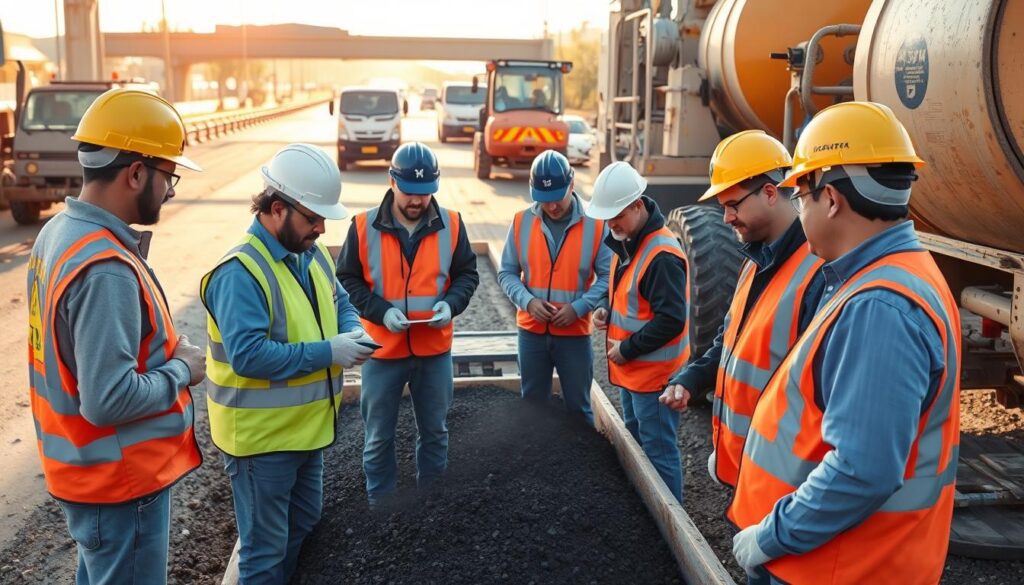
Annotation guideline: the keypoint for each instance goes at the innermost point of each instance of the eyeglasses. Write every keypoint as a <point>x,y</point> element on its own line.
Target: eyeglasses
<point>173,178</point>
<point>797,200</point>
<point>734,206</point>
<point>313,218</point>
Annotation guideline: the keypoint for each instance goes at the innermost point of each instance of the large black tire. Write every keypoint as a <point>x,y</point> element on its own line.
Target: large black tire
<point>481,160</point>
<point>441,135</point>
<point>25,212</point>
<point>342,163</point>
<point>713,260</point>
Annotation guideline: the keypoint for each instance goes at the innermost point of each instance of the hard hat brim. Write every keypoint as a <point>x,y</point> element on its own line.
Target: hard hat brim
<point>186,162</point>
<point>417,188</point>
<point>336,211</point>
<point>714,190</point>
<point>541,196</point>
<point>605,213</point>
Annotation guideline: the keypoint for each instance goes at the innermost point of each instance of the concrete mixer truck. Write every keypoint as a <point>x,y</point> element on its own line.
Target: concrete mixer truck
<point>677,76</point>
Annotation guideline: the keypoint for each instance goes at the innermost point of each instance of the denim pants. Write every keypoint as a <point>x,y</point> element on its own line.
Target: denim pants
<point>278,499</point>
<point>121,543</point>
<point>431,386</point>
<point>571,356</point>
<point>654,426</point>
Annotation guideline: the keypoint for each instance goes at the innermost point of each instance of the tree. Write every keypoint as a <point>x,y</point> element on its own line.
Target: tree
<point>582,46</point>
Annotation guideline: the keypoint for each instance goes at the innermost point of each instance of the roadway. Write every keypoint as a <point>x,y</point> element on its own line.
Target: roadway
<point>208,214</point>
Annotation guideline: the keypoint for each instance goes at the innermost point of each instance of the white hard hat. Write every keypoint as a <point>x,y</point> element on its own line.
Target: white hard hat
<point>307,175</point>
<point>617,186</point>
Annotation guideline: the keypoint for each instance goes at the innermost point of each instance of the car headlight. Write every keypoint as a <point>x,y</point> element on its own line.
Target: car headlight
<point>342,132</point>
<point>31,168</point>
<point>395,134</point>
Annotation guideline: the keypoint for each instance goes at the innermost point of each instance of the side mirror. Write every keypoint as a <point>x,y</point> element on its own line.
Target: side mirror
<point>405,107</point>
<point>330,106</point>
<point>476,84</point>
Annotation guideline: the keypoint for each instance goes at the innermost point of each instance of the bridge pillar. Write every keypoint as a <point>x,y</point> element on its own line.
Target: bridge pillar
<point>182,82</point>
<point>83,43</point>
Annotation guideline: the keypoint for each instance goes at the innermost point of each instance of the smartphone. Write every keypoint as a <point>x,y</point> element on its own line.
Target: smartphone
<point>370,344</point>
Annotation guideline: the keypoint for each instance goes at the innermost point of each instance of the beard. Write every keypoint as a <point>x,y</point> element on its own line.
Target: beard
<point>619,236</point>
<point>146,204</point>
<point>292,240</point>
<point>412,213</point>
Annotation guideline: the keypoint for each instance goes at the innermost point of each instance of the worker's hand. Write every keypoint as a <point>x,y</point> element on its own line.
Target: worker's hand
<point>347,352</point>
<point>712,467</point>
<point>443,314</point>
<point>540,310</point>
<point>746,550</point>
<point>395,320</point>
<point>193,356</point>
<point>564,316</point>
<point>676,397</point>
<point>613,352</point>
<point>600,319</point>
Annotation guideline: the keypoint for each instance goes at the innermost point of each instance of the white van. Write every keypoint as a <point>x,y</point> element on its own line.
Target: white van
<point>369,124</point>
<point>458,110</point>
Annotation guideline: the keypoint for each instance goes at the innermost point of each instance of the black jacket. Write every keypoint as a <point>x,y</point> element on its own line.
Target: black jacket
<point>464,277</point>
<point>663,286</point>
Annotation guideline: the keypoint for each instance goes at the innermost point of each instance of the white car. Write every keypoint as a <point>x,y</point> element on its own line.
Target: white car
<point>581,140</point>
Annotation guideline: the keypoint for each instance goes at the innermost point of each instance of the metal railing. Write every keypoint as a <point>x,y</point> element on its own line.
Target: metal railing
<point>199,129</point>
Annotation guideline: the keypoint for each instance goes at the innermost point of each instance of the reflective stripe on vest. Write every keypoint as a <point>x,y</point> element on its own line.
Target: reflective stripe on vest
<point>905,540</point>
<point>250,416</point>
<point>414,289</point>
<point>83,462</point>
<point>629,312</point>
<point>753,346</point>
<point>567,279</point>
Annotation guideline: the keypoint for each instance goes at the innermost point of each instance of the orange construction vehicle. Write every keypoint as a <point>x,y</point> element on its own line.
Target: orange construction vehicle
<point>521,117</point>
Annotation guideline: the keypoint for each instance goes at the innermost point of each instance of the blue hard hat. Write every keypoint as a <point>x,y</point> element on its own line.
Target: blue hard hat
<point>550,177</point>
<point>414,168</point>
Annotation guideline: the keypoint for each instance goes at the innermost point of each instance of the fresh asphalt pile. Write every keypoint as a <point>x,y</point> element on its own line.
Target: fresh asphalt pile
<point>530,496</point>
<point>203,530</point>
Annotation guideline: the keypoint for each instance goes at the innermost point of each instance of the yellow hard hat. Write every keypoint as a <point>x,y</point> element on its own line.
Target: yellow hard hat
<point>742,156</point>
<point>136,121</point>
<point>851,133</point>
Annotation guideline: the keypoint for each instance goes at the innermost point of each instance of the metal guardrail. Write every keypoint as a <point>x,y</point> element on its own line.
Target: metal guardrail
<point>204,128</point>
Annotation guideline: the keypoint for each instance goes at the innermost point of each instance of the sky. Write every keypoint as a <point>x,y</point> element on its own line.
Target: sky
<point>426,18</point>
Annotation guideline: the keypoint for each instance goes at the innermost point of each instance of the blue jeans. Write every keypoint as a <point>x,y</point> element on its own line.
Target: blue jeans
<point>121,543</point>
<point>654,426</point>
<point>431,386</point>
<point>572,356</point>
<point>278,500</point>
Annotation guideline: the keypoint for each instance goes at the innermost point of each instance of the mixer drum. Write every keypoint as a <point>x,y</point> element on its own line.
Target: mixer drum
<point>953,72</point>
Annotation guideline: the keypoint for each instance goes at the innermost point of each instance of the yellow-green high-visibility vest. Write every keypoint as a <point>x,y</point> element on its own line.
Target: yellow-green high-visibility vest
<point>253,417</point>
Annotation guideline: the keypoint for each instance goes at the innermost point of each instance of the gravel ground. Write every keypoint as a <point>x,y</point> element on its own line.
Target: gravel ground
<point>203,530</point>
<point>530,496</point>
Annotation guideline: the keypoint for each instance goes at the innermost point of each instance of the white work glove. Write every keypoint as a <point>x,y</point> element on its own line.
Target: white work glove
<point>444,314</point>
<point>395,321</point>
<point>346,352</point>
<point>712,464</point>
<point>600,319</point>
<point>746,550</point>
<point>359,334</point>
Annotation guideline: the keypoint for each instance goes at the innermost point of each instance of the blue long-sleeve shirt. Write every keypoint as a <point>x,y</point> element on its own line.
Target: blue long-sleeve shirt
<point>239,306</point>
<point>769,257</point>
<point>877,372</point>
<point>510,273</point>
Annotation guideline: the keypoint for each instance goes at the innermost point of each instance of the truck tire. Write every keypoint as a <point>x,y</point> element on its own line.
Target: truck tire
<point>481,160</point>
<point>441,135</point>
<point>713,260</point>
<point>25,212</point>
<point>342,163</point>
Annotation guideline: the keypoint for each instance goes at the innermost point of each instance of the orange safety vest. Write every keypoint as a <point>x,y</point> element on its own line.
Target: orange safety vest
<point>82,462</point>
<point>905,540</point>
<point>752,351</point>
<point>413,289</point>
<point>559,280</point>
<point>629,312</point>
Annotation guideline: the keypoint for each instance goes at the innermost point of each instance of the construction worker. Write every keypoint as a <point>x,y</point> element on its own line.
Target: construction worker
<point>554,269</point>
<point>646,319</point>
<point>108,374</point>
<point>776,296</point>
<point>280,329</point>
<point>848,469</point>
<point>409,268</point>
